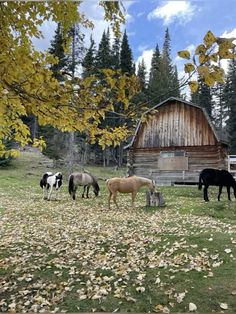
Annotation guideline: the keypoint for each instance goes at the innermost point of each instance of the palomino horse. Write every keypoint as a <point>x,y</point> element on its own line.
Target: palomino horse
<point>50,181</point>
<point>127,185</point>
<point>216,177</point>
<point>82,179</point>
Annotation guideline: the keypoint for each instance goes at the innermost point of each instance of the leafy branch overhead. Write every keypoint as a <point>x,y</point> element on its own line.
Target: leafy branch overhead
<point>27,85</point>
<point>206,60</point>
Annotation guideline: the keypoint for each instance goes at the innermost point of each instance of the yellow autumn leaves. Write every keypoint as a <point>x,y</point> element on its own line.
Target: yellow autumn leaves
<point>206,58</point>
<point>27,86</point>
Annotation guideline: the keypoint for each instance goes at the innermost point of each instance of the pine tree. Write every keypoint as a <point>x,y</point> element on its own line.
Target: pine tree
<point>220,110</point>
<point>115,54</point>
<point>154,84</point>
<point>205,98</point>
<point>169,77</point>
<point>88,62</point>
<point>126,59</point>
<point>54,138</point>
<point>175,83</point>
<point>141,74</point>
<point>229,97</point>
<point>163,78</point>
<point>103,58</point>
<point>75,56</point>
<point>57,50</point>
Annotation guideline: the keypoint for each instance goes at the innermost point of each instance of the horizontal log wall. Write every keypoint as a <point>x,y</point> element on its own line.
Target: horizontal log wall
<point>144,162</point>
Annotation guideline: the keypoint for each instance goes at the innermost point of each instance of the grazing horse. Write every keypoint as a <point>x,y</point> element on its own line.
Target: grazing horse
<point>50,180</point>
<point>216,177</point>
<point>82,179</point>
<point>127,185</point>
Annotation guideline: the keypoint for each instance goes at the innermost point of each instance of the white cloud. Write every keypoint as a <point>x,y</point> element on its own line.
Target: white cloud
<point>95,13</point>
<point>141,48</point>
<point>48,31</point>
<point>147,57</point>
<point>174,10</point>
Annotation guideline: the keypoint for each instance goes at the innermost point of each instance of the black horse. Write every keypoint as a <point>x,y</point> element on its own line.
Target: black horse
<point>216,177</point>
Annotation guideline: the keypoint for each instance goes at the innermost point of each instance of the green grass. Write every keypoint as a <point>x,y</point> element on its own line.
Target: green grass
<point>81,257</point>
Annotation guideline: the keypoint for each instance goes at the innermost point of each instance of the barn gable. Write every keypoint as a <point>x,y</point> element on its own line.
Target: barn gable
<point>176,123</point>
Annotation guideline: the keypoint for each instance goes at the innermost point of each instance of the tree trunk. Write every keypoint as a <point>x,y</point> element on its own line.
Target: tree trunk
<point>70,155</point>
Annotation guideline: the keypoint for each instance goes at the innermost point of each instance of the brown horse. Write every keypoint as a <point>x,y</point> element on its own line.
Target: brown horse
<point>127,185</point>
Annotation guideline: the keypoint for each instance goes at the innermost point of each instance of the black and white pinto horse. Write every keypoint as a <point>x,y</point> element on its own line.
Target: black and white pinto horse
<point>216,177</point>
<point>82,179</point>
<point>50,181</point>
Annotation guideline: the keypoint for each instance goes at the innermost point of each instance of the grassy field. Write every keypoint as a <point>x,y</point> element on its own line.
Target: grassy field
<point>65,256</point>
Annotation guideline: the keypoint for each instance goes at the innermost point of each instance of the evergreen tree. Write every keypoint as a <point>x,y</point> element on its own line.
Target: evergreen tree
<point>205,98</point>
<point>88,62</point>
<point>103,58</point>
<point>54,138</point>
<point>57,50</point>
<point>195,97</point>
<point>75,56</point>
<point>126,59</point>
<point>141,74</point>
<point>175,83</point>
<point>220,109</point>
<point>154,84</point>
<point>169,77</point>
<point>229,97</point>
<point>141,97</point>
<point>115,54</point>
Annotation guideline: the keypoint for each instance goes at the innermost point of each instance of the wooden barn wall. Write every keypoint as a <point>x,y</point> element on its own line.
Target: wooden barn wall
<point>145,161</point>
<point>175,124</point>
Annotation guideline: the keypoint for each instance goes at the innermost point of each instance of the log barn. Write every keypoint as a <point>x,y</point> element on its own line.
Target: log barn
<point>175,143</point>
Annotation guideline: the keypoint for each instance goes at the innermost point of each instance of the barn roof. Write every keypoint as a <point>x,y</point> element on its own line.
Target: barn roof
<point>216,133</point>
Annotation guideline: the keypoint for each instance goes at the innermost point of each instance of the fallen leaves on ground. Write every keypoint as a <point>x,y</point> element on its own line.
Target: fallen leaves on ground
<point>51,249</point>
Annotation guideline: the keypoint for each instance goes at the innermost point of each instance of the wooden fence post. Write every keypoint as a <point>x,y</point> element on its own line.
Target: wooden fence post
<point>154,200</point>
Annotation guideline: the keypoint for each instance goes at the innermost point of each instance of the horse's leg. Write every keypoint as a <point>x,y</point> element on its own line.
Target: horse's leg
<point>50,192</point>
<point>205,193</point>
<point>88,191</point>
<point>84,191</point>
<point>109,199</point>
<point>220,191</point>
<point>57,192</point>
<point>114,199</point>
<point>228,191</point>
<point>44,193</point>
<point>134,193</point>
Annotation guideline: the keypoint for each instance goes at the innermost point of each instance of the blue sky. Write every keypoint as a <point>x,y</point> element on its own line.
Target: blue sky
<point>147,20</point>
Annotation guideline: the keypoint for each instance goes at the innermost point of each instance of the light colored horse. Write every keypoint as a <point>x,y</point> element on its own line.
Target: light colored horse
<point>82,179</point>
<point>127,185</point>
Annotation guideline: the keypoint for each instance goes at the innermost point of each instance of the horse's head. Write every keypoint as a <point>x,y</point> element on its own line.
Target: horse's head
<point>96,188</point>
<point>152,186</point>
<point>58,179</point>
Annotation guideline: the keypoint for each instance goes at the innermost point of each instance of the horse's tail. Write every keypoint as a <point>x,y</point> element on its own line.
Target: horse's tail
<point>71,184</point>
<point>200,182</point>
